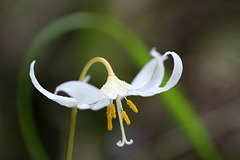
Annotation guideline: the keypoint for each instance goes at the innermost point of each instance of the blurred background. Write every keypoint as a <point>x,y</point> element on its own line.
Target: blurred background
<point>206,34</point>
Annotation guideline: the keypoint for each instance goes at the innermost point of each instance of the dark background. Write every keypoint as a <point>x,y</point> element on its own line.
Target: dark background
<point>206,34</point>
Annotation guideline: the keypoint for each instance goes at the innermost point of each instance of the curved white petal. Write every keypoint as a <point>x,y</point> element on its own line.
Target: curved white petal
<point>65,101</point>
<point>176,73</point>
<point>153,70</point>
<point>145,74</point>
<point>157,76</point>
<point>84,93</point>
<point>152,87</point>
<point>151,76</point>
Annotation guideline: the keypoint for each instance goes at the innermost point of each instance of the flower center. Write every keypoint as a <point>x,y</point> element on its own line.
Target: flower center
<point>111,114</point>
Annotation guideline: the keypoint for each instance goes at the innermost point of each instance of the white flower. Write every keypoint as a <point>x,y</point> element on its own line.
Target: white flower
<point>86,96</point>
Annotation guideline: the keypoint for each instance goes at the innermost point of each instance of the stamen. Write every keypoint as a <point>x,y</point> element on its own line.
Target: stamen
<point>132,106</point>
<point>125,117</point>
<point>110,126</point>
<point>109,110</point>
<point>113,109</point>
<point>109,117</point>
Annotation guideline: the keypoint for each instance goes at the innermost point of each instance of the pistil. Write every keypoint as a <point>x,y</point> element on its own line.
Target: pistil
<point>124,140</point>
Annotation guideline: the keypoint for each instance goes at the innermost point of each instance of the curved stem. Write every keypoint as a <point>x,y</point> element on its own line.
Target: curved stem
<point>74,109</point>
<point>91,62</point>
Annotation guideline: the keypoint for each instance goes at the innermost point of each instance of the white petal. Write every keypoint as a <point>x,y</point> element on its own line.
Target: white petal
<point>154,53</point>
<point>86,79</point>
<point>83,106</point>
<point>157,76</point>
<point>145,74</point>
<point>149,70</point>
<point>84,93</point>
<point>176,73</point>
<point>151,76</point>
<point>151,88</point>
<point>100,104</point>
<point>65,101</point>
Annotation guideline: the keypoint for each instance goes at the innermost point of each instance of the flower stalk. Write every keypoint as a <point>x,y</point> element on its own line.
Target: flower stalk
<point>91,62</point>
<point>71,133</point>
<point>74,109</point>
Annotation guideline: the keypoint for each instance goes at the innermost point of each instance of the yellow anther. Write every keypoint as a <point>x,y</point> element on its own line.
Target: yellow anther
<point>110,126</point>
<point>111,113</point>
<point>125,117</point>
<point>109,110</point>
<point>113,109</point>
<point>132,106</point>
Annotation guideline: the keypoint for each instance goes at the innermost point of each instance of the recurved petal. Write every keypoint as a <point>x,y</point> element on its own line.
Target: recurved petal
<point>176,73</point>
<point>151,88</point>
<point>84,93</point>
<point>145,74</point>
<point>151,76</point>
<point>65,101</point>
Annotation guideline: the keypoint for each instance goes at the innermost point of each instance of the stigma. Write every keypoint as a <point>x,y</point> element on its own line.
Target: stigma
<point>122,115</point>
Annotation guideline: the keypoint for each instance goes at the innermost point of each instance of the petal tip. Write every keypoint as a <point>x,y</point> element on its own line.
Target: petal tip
<point>170,52</point>
<point>33,62</point>
<point>154,52</point>
<point>31,73</point>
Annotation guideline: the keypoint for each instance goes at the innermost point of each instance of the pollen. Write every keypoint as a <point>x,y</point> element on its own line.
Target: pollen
<point>110,126</point>
<point>109,110</point>
<point>125,117</point>
<point>132,106</point>
<point>111,113</point>
<point>113,109</point>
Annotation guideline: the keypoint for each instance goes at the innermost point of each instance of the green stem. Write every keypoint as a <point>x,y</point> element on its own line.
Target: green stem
<point>71,133</point>
<point>74,109</point>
